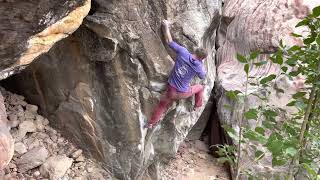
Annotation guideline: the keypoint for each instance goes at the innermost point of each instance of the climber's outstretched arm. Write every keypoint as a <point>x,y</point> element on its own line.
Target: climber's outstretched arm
<point>166,31</point>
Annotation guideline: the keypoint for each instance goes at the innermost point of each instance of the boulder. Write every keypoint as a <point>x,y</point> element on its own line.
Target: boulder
<point>100,84</point>
<point>55,167</point>
<point>33,158</point>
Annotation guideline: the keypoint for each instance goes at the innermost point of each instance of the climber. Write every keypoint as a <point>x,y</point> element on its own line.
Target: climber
<point>186,66</point>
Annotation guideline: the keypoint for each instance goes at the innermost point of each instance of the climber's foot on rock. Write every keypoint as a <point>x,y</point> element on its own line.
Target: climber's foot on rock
<point>148,126</point>
<point>196,108</point>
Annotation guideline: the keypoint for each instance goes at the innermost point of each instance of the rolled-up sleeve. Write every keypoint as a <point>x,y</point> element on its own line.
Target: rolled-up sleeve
<point>176,47</point>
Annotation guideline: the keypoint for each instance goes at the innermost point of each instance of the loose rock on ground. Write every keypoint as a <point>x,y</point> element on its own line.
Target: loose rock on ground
<point>40,151</point>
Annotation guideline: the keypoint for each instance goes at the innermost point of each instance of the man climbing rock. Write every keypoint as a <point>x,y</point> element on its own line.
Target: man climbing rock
<point>186,66</point>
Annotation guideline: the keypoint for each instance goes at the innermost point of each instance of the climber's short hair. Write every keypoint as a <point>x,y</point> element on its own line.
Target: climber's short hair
<point>201,53</point>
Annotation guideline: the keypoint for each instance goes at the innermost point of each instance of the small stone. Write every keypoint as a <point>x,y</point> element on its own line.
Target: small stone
<point>33,142</point>
<point>76,154</point>
<point>55,167</point>
<point>80,158</point>
<point>36,173</point>
<point>202,156</point>
<point>11,165</point>
<point>24,128</point>
<point>45,122</point>
<point>90,170</point>
<point>29,115</point>
<point>54,138</point>
<point>60,140</point>
<point>39,124</point>
<point>32,108</point>
<point>23,103</point>
<point>32,159</point>
<point>13,124</point>
<point>13,117</point>
<point>20,148</point>
<point>39,118</point>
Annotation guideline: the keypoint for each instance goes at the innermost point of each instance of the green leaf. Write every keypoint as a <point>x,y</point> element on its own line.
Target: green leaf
<point>284,69</point>
<point>278,162</point>
<point>291,151</point>
<point>318,40</point>
<point>309,40</point>
<point>278,59</point>
<point>260,130</point>
<point>292,103</point>
<point>231,132</point>
<point>251,114</point>
<point>275,146</point>
<point>303,23</point>
<point>253,136</point>
<point>295,48</point>
<point>269,124</point>
<point>241,58</point>
<point>298,95</point>
<point>258,155</point>
<point>233,94</point>
<point>309,169</point>
<point>246,68</point>
<point>295,35</point>
<point>260,63</point>
<point>316,11</point>
<point>281,43</point>
<point>292,61</point>
<point>294,73</point>
<point>254,55</point>
<point>268,79</point>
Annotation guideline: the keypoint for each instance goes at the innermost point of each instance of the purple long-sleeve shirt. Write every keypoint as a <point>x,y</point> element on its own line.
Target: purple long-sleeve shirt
<point>185,68</point>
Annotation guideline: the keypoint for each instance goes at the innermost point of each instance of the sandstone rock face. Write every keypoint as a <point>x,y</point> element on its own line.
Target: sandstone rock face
<point>99,85</point>
<point>247,26</point>
<point>6,140</point>
<point>30,28</point>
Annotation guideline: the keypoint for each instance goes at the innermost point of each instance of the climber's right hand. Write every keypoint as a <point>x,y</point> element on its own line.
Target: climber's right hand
<point>166,23</point>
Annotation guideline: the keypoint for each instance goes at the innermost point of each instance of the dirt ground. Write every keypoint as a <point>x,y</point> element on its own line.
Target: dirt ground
<point>193,162</point>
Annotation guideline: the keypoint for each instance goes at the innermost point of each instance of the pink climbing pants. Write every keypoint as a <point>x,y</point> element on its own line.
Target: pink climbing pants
<point>171,95</point>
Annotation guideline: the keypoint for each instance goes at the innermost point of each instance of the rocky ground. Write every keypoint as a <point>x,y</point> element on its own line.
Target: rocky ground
<point>193,162</point>
<point>40,151</point>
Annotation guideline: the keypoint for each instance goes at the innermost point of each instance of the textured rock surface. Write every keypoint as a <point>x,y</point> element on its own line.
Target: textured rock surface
<point>33,158</point>
<point>56,167</point>
<point>100,85</point>
<point>248,26</point>
<point>30,28</point>
<point>32,149</point>
<point>6,140</point>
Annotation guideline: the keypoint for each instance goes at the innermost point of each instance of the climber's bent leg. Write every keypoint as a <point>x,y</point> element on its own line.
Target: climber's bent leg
<point>196,90</point>
<point>160,109</point>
